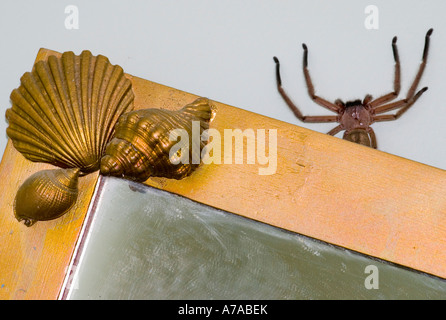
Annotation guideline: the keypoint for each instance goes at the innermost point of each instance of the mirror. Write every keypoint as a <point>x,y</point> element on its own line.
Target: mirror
<point>145,243</point>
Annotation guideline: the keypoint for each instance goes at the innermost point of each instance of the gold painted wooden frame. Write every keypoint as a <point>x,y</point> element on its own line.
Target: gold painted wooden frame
<point>326,188</point>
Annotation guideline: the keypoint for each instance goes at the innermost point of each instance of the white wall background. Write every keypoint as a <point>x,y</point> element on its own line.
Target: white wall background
<point>224,49</point>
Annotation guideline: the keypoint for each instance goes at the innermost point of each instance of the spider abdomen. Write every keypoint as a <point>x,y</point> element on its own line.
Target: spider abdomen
<point>358,135</point>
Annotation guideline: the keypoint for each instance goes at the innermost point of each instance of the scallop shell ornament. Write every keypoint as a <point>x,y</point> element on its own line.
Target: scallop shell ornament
<point>63,113</point>
<point>158,143</point>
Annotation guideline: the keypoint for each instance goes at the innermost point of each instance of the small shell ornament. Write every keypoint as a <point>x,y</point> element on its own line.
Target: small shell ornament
<point>143,140</point>
<point>48,193</point>
<point>64,113</point>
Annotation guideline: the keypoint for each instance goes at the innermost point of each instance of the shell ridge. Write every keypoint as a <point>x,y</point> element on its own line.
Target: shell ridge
<point>60,95</point>
<point>125,104</point>
<point>121,90</point>
<point>107,89</point>
<point>63,89</point>
<point>85,80</point>
<point>100,102</point>
<point>22,99</point>
<point>73,71</point>
<point>100,77</point>
<point>69,67</point>
<point>67,181</point>
<point>25,128</point>
<point>46,78</point>
<point>34,96</point>
<point>83,122</point>
<point>21,113</point>
<point>65,104</point>
<point>41,117</point>
<point>58,141</point>
<point>32,147</point>
<point>24,144</point>
<point>37,150</point>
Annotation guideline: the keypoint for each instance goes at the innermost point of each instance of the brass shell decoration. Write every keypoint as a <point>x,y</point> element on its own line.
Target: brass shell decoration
<point>141,143</point>
<point>46,195</point>
<point>64,113</point>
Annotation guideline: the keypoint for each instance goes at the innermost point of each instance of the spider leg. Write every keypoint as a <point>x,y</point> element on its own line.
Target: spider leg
<point>293,107</point>
<point>340,103</point>
<point>335,130</point>
<point>396,82</point>
<point>322,102</point>
<point>403,104</point>
<point>412,89</point>
<point>368,98</point>
<point>411,96</point>
<point>372,138</point>
<point>320,119</point>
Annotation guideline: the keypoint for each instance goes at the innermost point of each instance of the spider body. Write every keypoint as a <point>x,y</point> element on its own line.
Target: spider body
<point>356,117</point>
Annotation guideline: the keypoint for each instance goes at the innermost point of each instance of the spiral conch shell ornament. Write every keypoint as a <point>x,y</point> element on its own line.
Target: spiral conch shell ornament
<point>142,142</point>
<point>64,113</point>
<point>75,112</point>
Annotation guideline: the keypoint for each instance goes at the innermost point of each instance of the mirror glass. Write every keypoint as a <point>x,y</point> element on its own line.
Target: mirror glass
<point>144,243</point>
